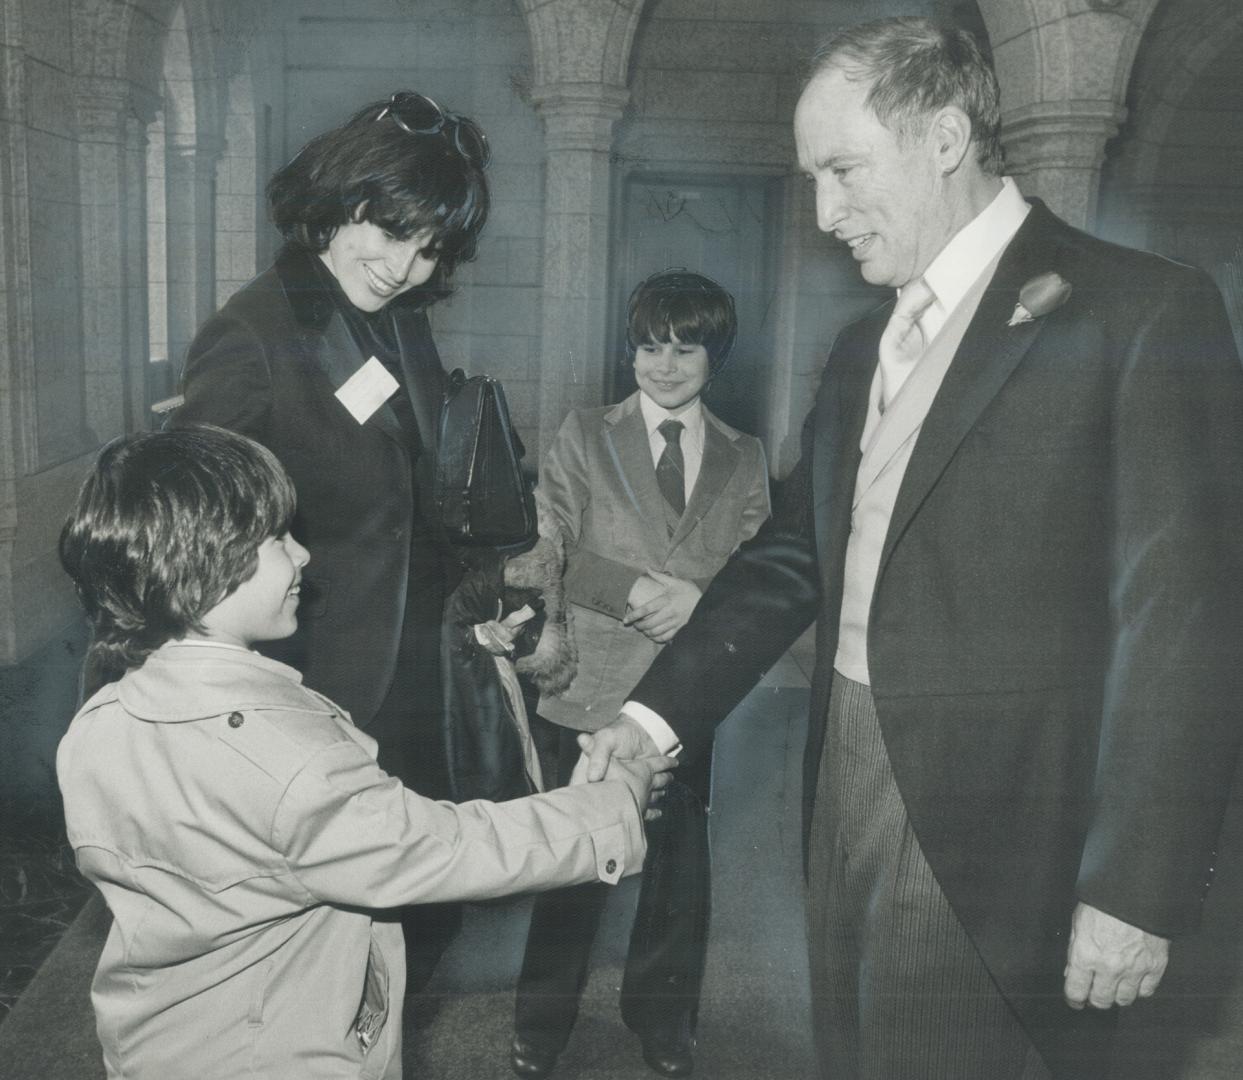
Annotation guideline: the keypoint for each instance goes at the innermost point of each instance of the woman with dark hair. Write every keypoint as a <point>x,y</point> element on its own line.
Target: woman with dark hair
<point>327,358</point>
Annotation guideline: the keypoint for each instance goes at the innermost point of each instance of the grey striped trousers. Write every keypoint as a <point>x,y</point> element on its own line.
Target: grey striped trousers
<point>898,990</point>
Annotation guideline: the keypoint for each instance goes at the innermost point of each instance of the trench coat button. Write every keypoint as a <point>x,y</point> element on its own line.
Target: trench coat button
<point>235,719</point>
<point>610,867</point>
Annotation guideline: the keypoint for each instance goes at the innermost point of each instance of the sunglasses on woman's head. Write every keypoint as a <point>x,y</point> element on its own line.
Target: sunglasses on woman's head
<point>417,114</point>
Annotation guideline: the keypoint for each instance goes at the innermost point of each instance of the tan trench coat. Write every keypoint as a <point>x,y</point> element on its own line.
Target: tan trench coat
<point>240,831</point>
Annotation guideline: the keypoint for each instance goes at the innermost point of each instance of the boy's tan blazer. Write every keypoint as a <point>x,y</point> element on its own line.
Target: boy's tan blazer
<point>599,481</point>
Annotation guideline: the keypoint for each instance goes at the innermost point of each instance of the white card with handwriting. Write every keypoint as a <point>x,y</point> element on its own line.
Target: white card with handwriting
<point>366,390</point>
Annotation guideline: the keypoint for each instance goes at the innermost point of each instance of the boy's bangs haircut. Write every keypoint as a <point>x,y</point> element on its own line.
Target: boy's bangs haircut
<point>371,170</point>
<point>166,526</point>
<point>691,307</point>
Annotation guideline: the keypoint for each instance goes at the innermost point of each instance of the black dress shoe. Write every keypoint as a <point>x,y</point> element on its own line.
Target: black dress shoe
<point>527,1059</point>
<point>669,1054</point>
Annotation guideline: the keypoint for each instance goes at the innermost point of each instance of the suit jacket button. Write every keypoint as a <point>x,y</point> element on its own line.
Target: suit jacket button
<point>610,867</point>
<point>235,719</point>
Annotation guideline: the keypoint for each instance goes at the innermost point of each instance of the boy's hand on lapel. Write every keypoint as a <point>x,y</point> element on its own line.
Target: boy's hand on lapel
<point>668,610</point>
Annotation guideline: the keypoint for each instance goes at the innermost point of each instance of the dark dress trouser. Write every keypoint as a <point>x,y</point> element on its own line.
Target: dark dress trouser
<point>669,939</point>
<point>898,989</point>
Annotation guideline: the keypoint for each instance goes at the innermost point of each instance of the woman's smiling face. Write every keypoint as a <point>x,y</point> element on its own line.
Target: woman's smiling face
<point>372,266</point>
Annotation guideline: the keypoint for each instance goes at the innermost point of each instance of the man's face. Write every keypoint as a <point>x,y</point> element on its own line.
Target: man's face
<point>884,199</point>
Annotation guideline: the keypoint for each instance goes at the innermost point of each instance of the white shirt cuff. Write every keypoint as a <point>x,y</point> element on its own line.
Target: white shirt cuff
<point>665,738</point>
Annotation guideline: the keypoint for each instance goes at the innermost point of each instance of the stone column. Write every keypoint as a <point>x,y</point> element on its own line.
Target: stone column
<point>190,185</point>
<point>1055,150</point>
<point>578,119</point>
<point>789,393</point>
<point>135,270</point>
<point>111,137</point>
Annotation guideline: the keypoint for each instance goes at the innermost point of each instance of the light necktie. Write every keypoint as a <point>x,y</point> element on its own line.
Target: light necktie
<point>902,343</point>
<point>670,468</point>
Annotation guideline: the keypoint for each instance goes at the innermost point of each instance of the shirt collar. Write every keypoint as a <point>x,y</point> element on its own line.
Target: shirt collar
<point>653,416</point>
<point>206,643</point>
<point>970,250</point>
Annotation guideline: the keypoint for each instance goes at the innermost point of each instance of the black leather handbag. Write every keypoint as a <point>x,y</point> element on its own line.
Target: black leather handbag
<point>483,496</point>
<point>481,729</point>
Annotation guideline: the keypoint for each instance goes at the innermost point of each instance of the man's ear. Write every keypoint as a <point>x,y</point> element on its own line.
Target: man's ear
<point>950,138</point>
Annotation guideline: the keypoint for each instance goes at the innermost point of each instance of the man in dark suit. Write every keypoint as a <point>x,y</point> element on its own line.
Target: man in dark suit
<point>1017,523</point>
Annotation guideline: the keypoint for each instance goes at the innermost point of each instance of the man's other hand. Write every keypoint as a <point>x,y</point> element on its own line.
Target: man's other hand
<point>1110,962</point>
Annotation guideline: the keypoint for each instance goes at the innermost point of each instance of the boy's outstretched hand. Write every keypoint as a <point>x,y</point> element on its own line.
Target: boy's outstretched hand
<point>646,777</point>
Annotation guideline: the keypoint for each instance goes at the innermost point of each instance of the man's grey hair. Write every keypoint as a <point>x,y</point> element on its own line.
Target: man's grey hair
<point>915,67</point>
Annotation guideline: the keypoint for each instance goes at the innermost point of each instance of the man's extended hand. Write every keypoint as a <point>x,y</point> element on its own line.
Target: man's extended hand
<point>665,611</point>
<point>1110,962</point>
<point>622,738</point>
<point>647,777</point>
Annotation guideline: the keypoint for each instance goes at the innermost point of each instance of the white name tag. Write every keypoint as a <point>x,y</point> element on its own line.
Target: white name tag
<point>366,390</point>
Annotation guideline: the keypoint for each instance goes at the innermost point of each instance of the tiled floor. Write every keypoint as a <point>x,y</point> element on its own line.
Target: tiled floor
<point>40,893</point>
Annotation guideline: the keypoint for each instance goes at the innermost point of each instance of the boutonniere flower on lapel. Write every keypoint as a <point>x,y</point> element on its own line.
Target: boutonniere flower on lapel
<point>1044,293</point>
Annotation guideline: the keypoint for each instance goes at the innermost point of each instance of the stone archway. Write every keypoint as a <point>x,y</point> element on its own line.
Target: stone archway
<point>1147,179</point>
<point>1063,68</point>
<point>73,229</point>
<point>1172,183</point>
<point>134,63</point>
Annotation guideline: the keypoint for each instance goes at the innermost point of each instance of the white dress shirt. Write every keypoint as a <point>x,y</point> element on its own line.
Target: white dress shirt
<point>692,440</point>
<point>969,251</point>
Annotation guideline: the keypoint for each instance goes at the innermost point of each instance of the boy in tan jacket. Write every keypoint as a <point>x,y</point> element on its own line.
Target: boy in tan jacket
<point>234,820</point>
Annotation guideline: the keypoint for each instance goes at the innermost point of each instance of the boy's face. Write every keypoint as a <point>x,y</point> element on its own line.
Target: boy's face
<point>670,373</point>
<point>264,607</point>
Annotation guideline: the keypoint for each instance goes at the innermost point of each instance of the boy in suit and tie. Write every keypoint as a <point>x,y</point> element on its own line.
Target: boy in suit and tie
<point>652,495</point>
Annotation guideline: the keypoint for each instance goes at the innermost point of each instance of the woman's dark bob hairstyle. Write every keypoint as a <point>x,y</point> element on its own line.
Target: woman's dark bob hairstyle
<point>168,524</point>
<point>691,307</point>
<point>371,169</point>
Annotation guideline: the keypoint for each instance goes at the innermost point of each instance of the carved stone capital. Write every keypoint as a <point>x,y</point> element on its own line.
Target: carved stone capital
<point>194,154</point>
<point>106,107</point>
<point>1060,134</point>
<point>579,116</point>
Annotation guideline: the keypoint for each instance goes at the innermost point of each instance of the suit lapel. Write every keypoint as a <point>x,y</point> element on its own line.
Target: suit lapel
<point>337,355</point>
<point>989,352</point>
<point>631,454</point>
<point>421,365</point>
<point>720,459</point>
<point>327,339</point>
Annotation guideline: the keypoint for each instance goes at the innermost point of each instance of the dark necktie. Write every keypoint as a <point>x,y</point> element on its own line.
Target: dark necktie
<point>670,469</point>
